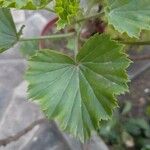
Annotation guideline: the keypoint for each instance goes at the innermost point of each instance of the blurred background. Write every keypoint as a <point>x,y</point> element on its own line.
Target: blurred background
<point>129,128</point>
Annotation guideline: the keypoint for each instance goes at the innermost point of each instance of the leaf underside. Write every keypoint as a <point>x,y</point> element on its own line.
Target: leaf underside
<point>78,95</point>
<point>8,33</point>
<point>130,16</point>
<point>24,4</point>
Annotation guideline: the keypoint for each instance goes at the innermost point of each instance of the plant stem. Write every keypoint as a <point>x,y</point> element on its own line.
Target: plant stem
<point>77,40</point>
<point>89,17</point>
<point>135,43</point>
<point>126,42</point>
<point>55,36</point>
<point>76,46</point>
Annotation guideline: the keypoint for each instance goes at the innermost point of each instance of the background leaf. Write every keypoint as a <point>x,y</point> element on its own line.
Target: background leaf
<point>130,16</point>
<point>8,33</point>
<point>127,107</point>
<point>24,4</point>
<point>136,125</point>
<point>79,94</point>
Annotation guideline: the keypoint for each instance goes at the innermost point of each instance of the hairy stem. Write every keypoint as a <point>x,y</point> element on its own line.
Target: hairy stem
<point>135,43</point>
<point>125,42</point>
<point>77,36</point>
<point>56,36</point>
<point>89,17</point>
<point>76,46</point>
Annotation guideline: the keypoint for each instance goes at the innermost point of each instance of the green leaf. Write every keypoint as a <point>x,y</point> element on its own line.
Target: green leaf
<point>130,16</point>
<point>24,4</point>
<point>29,48</point>
<point>146,147</point>
<point>127,107</point>
<point>108,130</point>
<point>136,125</point>
<point>79,94</point>
<point>8,33</point>
<point>66,10</point>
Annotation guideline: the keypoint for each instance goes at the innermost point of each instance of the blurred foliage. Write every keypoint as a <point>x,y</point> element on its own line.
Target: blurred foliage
<point>124,132</point>
<point>148,110</point>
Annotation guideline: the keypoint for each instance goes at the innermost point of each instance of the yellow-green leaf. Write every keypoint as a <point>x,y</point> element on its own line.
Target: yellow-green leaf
<point>66,10</point>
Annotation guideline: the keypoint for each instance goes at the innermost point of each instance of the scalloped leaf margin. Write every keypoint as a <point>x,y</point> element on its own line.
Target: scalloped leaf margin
<point>79,94</point>
<point>130,16</point>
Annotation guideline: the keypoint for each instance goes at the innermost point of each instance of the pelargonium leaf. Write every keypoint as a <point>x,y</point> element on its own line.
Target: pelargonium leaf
<point>79,94</point>
<point>24,4</point>
<point>130,16</point>
<point>8,33</point>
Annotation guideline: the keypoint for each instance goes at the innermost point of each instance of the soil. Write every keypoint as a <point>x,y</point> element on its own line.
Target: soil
<point>139,93</point>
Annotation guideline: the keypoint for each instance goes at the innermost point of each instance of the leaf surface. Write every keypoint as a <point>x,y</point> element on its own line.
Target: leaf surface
<point>8,33</point>
<point>130,16</point>
<point>79,94</point>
